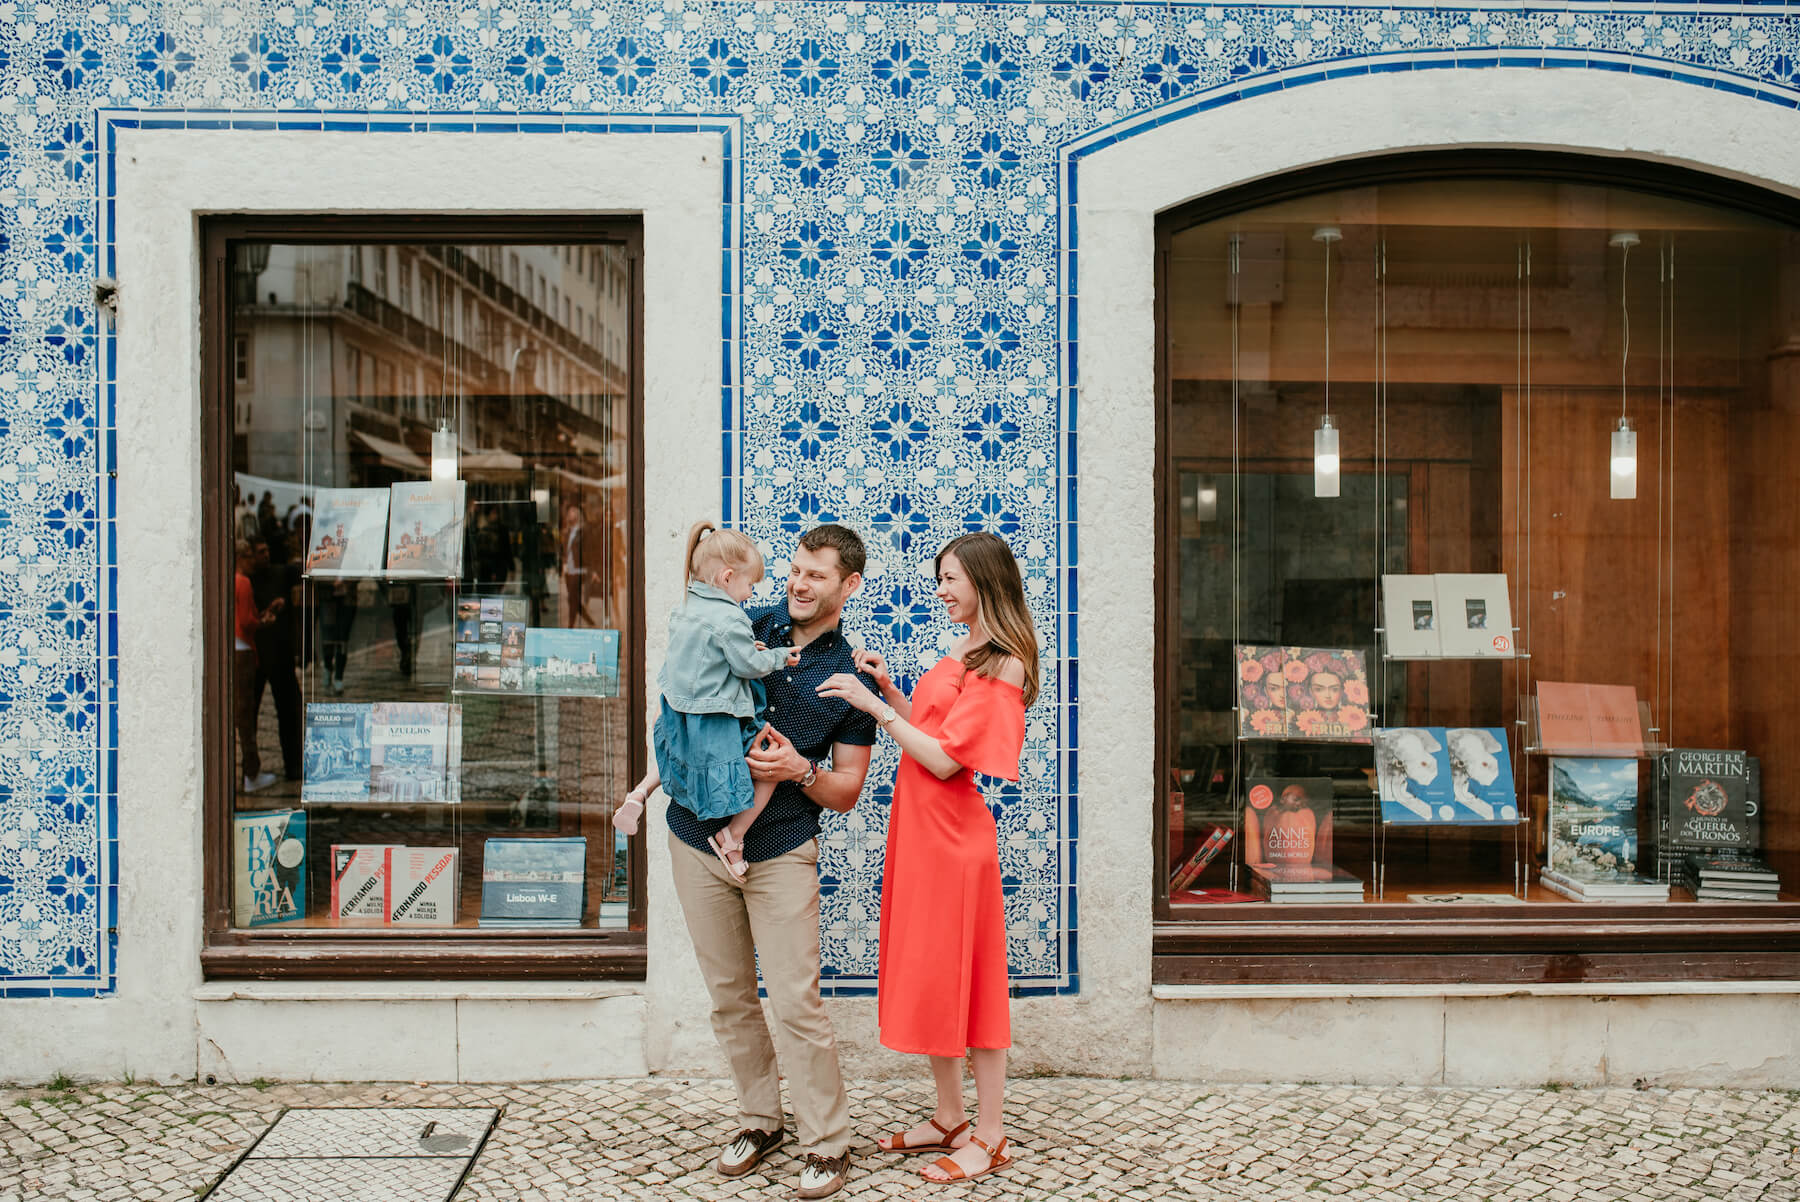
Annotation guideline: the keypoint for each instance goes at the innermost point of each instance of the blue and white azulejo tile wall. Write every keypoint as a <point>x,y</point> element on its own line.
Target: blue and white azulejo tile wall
<point>900,309</point>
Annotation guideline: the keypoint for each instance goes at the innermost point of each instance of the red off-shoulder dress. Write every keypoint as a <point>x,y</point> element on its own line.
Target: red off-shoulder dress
<point>943,923</point>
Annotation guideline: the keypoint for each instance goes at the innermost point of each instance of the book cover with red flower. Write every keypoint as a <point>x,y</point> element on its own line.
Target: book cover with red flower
<point>1303,693</point>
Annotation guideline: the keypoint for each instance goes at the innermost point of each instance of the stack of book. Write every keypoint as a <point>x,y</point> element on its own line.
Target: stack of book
<point>1719,878</point>
<point>1305,885</point>
<point>1605,886</point>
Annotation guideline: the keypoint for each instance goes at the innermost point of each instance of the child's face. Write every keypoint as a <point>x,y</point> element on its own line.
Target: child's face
<point>736,581</point>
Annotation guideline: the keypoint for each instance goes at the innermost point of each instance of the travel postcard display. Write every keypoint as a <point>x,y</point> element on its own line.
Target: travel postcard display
<point>496,652</point>
<point>1302,693</point>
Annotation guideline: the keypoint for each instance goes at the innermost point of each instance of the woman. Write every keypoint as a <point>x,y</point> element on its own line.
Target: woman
<point>943,989</point>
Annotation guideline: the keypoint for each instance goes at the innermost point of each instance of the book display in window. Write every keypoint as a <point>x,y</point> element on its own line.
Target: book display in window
<point>1409,611</point>
<point>1591,719</point>
<point>335,753</point>
<point>1287,823</point>
<point>1304,886</point>
<point>533,882</point>
<point>268,867</point>
<point>489,656</point>
<point>1730,878</point>
<point>1709,805</point>
<point>1302,693</point>
<point>422,886</point>
<point>425,529</point>
<point>415,752</point>
<point>1459,776</point>
<point>349,532</point>
<point>1593,843</point>
<point>571,663</point>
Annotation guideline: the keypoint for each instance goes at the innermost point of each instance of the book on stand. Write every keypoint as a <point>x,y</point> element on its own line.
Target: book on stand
<point>1448,776</point>
<point>415,752</point>
<point>1593,832</point>
<point>569,663</point>
<point>1474,615</point>
<point>1313,693</point>
<point>1409,616</point>
<point>268,867</point>
<point>335,753</point>
<point>422,886</point>
<point>360,894</point>
<point>425,529</point>
<point>349,532</point>
<point>1588,719</point>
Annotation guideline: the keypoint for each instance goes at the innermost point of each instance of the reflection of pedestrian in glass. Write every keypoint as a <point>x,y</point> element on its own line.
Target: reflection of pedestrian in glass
<point>245,687</point>
<point>490,550</point>
<point>400,600</point>
<point>337,614</point>
<point>275,585</point>
<point>577,563</point>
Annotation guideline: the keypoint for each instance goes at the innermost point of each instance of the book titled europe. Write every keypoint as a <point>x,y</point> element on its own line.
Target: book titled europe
<point>1707,793</point>
<point>533,882</point>
<point>577,663</point>
<point>1450,776</point>
<point>415,752</point>
<point>268,867</point>
<point>422,886</point>
<point>1302,693</point>
<point>335,754</point>
<point>1593,836</point>
<point>349,532</point>
<point>425,529</point>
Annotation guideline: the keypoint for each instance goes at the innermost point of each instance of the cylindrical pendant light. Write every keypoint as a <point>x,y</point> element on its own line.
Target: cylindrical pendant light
<point>1624,438</point>
<point>443,452</point>
<point>1326,459</point>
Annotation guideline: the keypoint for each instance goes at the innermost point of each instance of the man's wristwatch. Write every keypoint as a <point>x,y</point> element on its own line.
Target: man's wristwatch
<point>888,714</point>
<point>812,774</point>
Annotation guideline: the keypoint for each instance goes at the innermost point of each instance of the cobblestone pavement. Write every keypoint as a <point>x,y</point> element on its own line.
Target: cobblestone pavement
<point>1078,1138</point>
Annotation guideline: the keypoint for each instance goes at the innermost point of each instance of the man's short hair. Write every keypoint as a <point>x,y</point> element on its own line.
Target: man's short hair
<point>845,541</point>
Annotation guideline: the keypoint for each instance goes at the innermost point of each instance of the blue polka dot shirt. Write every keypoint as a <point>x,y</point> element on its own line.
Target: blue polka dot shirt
<point>811,722</point>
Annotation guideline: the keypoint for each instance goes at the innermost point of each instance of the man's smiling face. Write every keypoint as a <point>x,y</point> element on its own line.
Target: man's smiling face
<point>816,585</point>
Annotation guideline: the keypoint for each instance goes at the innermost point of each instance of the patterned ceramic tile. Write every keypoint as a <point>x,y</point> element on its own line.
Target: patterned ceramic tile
<point>899,308</point>
<point>379,1132</point>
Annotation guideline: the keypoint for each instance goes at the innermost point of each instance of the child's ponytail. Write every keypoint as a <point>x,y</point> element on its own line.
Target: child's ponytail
<point>696,532</point>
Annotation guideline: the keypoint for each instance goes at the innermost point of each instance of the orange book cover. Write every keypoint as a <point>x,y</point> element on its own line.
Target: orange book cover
<point>1563,716</point>
<point>1613,717</point>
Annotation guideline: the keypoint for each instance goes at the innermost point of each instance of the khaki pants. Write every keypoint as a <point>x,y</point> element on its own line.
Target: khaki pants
<point>774,913</point>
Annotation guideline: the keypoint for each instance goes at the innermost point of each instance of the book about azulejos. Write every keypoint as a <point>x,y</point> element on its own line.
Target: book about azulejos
<point>425,528</point>
<point>415,752</point>
<point>422,886</point>
<point>335,754</point>
<point>349,532</point>
<point>527,882</point>
<point>268,867</point>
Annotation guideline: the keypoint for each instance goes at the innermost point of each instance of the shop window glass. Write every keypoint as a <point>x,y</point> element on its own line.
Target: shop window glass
<point>1480,646</point>
<point>430,659</point>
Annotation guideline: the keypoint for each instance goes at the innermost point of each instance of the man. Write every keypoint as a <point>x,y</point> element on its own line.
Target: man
<point>275,586</point>
<point>818,750</point>
<point>246,684</point>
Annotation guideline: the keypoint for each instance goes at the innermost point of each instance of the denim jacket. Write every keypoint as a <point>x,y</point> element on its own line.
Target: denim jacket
<point>712,655</point>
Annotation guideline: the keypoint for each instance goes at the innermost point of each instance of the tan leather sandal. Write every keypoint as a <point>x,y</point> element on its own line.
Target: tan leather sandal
<point>997,1160</point>
<point>897,1141</point>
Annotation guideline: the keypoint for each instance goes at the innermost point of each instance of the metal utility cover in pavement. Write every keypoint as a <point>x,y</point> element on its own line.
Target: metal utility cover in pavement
<point>412,1154</point>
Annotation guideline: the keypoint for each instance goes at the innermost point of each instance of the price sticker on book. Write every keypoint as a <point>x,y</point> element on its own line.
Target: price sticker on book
<point>1261,796</point>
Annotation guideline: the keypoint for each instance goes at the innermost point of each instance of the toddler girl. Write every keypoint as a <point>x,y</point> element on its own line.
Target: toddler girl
<point>712,697</point>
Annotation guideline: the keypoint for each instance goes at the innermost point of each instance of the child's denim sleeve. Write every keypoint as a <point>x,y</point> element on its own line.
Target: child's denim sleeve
<point>738,643</point>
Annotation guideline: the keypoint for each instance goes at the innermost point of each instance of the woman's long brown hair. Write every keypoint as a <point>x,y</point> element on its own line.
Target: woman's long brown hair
<point>991,568</point>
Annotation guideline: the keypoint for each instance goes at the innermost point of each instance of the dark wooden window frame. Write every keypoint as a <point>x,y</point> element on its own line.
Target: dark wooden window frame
<point>1396,942</point>
<point>325,952</point>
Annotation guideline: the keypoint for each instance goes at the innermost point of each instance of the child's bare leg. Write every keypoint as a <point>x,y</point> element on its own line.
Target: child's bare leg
<point>625,817</point>
<point>739,826</point>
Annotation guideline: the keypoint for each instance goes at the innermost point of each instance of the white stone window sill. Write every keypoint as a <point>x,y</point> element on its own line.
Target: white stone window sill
<point>1192,993</point>
<point>415,991</point>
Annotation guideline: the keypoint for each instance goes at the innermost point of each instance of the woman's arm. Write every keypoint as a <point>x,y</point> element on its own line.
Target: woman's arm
<point>875,666</point>
<point>913,741</point>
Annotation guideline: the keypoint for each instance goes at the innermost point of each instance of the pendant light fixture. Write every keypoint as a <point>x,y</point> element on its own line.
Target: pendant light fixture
<point>443,451</point>
<point>1624,438</point>
<point>1326,459</point>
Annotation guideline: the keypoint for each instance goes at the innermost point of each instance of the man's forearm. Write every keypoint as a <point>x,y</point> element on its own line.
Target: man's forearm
<point>836,789</point>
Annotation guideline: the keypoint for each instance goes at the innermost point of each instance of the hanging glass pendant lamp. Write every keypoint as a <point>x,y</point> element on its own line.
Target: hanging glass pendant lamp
<point>1624,438</point>
<point>1326,460</point>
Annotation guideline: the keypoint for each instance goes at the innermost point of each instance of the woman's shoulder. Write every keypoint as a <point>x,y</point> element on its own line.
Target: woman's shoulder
<point>1009,670</point>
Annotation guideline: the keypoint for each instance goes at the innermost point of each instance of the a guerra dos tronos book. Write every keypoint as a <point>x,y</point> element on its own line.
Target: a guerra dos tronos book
<point>268,867</point>
<point>349,532</point>
<point>415,752</point>
<point>533,882</point>
<point>1707,795</point>
<point>425,529</point>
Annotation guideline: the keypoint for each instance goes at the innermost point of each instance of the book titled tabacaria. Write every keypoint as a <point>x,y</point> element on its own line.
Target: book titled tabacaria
<point>268,863</point>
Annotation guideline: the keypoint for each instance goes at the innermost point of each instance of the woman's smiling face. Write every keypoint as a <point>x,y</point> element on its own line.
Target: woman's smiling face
<point>956,592</point>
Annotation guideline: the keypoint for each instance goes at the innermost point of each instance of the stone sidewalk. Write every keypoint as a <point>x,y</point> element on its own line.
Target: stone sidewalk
<point>1079,1139</point>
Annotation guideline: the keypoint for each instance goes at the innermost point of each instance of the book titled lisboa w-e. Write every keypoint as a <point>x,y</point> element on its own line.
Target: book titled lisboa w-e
<point>533,882</point>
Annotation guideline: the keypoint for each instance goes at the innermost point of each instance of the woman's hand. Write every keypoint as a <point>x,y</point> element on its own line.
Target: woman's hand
<point>852,690</point>
<point>871,664</point>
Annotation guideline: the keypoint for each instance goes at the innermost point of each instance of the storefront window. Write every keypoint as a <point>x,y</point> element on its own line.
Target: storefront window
<point>1477,553</point>
<point>425,549</point>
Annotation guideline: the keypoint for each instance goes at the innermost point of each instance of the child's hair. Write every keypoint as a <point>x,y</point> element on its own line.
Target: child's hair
<point>710,548</point>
